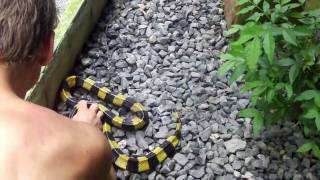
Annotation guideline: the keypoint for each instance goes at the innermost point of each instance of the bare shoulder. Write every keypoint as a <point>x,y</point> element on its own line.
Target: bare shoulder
<point>54,142</point>
<point>44,127</point>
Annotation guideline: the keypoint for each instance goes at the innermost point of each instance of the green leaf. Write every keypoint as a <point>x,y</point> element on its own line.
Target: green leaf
<point>253,52</point>
<point>289,37</point>
<point>293,73</point>
<point>248,113</point>
<point>305,147</point>
<point>317,99</point>
<point>253,30</point>
<point>316,151</point>
<point>257,94</point>
<point>306,95</point>
<point>230,31</point>
<point>246,10</point>
<point>239,70</point>
<point>257,123</point>
<point>317,121</point>
<point>306,130</point>
<point>289,90</point>
<point>256,1</point>
<point>270,95</point>
<point>255,17</point>
<point>274,16</point>
<point>240,2</point>
<point>242,39</point>
<point>279,86</point>
<point>286,62</point>
<point>257,118</point>
<point>297,15</point>
<point>311,114</point>
<point>314,13</point>
<point>266,7</point>
<point>291,6</point>
<point>269,46</point>
<point>302,31</point>
<point>227,56</point>
<point>250,85</point>
<point>226,67</point>
<point>285,2</point>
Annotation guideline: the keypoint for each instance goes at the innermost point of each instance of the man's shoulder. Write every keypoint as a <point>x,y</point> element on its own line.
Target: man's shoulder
<point>29,121</point>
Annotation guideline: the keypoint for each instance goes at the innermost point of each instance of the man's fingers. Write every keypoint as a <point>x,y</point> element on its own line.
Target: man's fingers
<point>99,125</point>
<point>94,107</point>
<point>82,105</point>
<point>99,115</point>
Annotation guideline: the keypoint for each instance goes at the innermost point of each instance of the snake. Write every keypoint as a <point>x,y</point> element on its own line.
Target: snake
<point>133,163</point>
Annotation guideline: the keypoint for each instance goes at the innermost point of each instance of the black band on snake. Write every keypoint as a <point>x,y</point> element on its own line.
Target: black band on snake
<point>139,163</point>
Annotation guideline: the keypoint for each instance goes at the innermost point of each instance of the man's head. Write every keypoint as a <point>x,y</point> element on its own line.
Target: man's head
<point>26,30</point>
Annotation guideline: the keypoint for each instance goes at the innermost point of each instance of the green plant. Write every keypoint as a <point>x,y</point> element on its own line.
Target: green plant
<point>276,54</point>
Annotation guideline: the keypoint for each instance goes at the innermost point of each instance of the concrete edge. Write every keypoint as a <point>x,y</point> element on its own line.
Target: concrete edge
<point>74,28</point>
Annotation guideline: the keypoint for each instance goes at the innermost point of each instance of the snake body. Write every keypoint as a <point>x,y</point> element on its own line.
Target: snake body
<point>135,163</point>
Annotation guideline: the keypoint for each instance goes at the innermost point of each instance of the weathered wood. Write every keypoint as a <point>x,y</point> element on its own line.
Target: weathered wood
<point>312,4</point>
<point>230,12</point>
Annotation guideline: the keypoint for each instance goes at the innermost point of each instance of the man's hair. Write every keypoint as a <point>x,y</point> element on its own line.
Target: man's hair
<point>24,26</point>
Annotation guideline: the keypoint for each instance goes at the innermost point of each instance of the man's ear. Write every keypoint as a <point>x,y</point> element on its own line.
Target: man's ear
<point>46,50</point>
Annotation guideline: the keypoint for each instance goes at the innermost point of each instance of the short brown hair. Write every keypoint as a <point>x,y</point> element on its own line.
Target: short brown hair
<point>24,26</point>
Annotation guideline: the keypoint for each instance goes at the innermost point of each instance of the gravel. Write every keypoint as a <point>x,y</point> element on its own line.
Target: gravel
<point>165,54</point>
<point>235,145</point>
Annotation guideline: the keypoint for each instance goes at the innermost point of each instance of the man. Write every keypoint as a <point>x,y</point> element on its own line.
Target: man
<point>37,143</point>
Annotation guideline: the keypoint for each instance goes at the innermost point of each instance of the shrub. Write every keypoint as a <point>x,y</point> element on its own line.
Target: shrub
<point>276,54</point>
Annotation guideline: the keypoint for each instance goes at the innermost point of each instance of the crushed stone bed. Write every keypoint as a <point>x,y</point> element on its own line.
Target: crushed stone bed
<point>165,53</point>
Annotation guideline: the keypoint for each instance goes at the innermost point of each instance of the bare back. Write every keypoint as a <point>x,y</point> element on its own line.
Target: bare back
<point>38,144</point>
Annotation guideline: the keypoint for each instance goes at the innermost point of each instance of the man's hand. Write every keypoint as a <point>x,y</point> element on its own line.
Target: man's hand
<point>89,115</point>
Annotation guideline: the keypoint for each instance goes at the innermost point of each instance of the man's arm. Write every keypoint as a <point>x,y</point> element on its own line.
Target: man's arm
<point>89,121</point>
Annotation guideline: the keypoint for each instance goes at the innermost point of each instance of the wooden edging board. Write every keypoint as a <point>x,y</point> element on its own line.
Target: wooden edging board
<point>74,28</point>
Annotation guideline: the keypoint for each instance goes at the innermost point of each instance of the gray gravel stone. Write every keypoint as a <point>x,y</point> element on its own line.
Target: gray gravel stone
<point>197,173</point>
<point>237,164</point>
<point>204,106</point>
<point>195,75</point>
<point>152,39</point>
<point>237,174</point>
<point>234,145</point>
<point>181,159</point>
<point>228,168</point>
<point>204,135</point>
<point>135,177</point>
<point>182,177</point>
<point>160,177</point>
<point>141,141</point>
<point>243,103</point>
<point>86,61</point>
<point>131,59</point>
<point>165,169</point>
<point>152,176</point>
<point>162,133</point>
<point>216,169</point>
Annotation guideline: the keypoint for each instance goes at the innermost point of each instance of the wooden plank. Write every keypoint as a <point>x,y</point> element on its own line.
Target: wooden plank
<point>312,4</point>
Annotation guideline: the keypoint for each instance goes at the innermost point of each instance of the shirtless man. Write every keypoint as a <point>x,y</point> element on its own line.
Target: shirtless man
<point>36,143</point>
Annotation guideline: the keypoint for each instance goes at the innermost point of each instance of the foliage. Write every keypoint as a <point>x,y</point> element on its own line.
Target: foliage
<point>276,53</point>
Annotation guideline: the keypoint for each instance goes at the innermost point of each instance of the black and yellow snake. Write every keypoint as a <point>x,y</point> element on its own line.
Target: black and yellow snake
<point>139,163</point>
